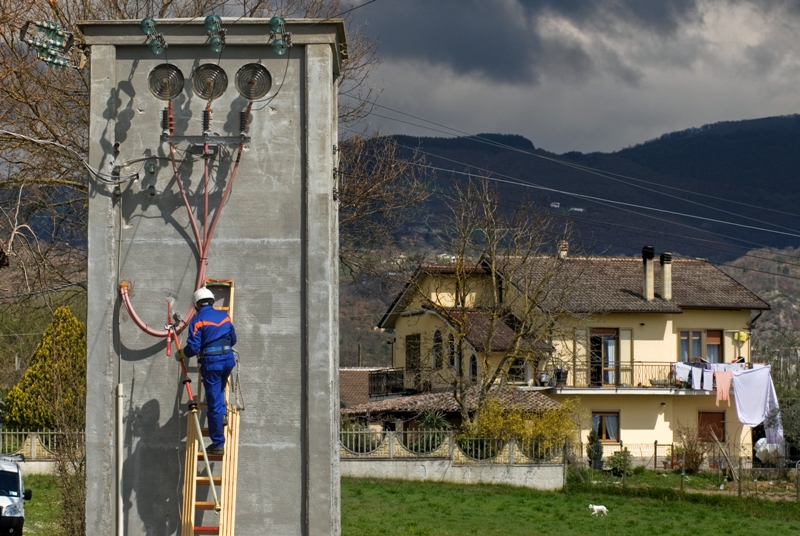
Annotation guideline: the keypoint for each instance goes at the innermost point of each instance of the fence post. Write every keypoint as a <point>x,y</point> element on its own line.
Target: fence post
<point>655,455</point>
<point>566,446</point>
<point>740,476</point>
<point>452,445</point>
<point>797,470</point>
<point>511,444</point>
<point>624,465</point>
<point>391,444</point>
<point>683,469</point>
<point>33,436</point>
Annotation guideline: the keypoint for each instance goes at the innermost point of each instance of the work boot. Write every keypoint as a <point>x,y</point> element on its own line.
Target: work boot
<point>216,451</point>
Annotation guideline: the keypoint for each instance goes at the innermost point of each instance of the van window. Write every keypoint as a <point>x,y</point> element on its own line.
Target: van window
<point>9,484</point>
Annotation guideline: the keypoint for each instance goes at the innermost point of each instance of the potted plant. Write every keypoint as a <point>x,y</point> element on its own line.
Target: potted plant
<point>594,451</point>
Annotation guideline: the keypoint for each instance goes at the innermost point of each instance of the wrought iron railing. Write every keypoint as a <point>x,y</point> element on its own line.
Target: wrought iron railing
<point>636,374</point>
<point>422,441</point>
<point>386,382</point>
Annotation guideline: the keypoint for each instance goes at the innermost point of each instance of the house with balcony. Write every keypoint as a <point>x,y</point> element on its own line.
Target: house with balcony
<point>608,330</point>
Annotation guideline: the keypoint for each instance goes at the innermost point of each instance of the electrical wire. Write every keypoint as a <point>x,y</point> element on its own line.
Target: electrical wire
<point>588,169</point>
<point>42,291</point>
<point>96,173</point>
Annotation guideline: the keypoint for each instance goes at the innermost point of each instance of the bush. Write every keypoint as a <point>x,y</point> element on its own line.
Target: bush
<point>692,450</point>
<point>594,451</point>
<point>639,470</point>
<point>620,463</point>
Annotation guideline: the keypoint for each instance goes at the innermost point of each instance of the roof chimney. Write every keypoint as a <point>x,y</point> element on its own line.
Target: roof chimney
<point>648,252</point>
<point>563,248</point>
<point>666,276</point>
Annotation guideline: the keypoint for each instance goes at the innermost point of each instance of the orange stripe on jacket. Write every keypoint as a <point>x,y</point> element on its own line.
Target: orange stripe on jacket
<point>203,323</point>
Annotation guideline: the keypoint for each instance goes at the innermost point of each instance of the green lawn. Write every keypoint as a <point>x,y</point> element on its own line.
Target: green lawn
<point>372,507</point>
<point>41,512</point>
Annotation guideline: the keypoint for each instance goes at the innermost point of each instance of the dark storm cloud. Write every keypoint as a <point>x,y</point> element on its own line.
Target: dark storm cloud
<point>503,40</point>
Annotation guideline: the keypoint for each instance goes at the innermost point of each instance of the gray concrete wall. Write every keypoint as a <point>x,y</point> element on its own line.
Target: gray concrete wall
<point>543,477</point>
<point>43,467</point>
<point>277,238</point>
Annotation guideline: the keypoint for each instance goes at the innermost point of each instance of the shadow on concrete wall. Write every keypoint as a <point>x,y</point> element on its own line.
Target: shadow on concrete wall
<point>151,472</point>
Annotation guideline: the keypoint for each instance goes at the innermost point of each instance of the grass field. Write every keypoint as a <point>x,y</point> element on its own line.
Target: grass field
<point>378,507</point>
<point>649,506</point>
<point>41,512</point>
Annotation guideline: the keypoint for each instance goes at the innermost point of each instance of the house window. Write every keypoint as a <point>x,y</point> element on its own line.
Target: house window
<point>606,425</point>
<point>603,357</point>
<point>451,350</point>
<point>473,368</point>
<point>714,346</point>
<point>516,372</point>
<point>437,354</point>
<point>692,349</point>
<point>711,424</point>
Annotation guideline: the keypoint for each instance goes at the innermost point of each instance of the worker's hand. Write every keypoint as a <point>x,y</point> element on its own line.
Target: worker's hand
<point>179,355</point>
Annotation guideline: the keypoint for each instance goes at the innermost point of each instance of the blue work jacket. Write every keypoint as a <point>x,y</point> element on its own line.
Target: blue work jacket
<point>209,328</point>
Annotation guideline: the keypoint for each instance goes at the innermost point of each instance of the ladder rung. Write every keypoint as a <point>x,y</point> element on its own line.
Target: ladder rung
<point>211,457</point>
<point>205,505</point>
<point>222,308</point>
<point>219,282</point>
<point>206,530</point>
<point>204,431</point>
<point>203,480</point>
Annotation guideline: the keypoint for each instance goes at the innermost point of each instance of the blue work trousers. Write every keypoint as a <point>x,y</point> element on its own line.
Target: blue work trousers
<point>216,370</point>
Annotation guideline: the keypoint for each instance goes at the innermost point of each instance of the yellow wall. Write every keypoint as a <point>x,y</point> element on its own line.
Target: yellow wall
<point>655,336</point>
<point>642,420</point>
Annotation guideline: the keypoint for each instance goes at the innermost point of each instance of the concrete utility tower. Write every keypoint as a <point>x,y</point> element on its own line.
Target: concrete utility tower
<point>276,237</point>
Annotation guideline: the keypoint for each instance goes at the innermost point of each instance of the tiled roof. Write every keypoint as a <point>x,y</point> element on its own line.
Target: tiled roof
<point>527,400</point>
<point>615,284</point>
<point>478,325</point>
<point>354,385</point>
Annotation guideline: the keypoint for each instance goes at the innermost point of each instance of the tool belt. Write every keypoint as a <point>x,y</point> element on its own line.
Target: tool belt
<point>216,350</point>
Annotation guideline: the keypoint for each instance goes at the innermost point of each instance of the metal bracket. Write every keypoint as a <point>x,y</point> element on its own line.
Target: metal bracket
<point>206,139</point>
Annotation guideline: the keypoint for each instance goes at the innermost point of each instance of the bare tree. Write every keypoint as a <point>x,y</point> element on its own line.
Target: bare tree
<point>505,294</point>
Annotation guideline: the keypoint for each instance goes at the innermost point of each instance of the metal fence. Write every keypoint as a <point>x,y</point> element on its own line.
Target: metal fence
<point>36,444</point>
<point>445,445</point>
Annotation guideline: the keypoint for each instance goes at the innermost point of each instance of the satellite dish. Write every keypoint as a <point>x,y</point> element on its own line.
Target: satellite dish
<point>253,81</point>
<point>209,81</point>
<point>165,81</point>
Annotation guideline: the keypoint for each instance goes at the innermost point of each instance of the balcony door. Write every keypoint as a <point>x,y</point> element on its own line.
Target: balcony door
<point>603,347</point>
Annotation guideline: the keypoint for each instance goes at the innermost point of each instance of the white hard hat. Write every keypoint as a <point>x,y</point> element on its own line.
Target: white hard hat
<point>202,294</point>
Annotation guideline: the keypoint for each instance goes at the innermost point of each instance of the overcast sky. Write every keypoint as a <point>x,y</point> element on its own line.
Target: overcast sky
<point>585,75</point>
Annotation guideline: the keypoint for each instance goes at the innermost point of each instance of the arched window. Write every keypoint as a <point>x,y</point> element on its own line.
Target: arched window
<point>473,368</point>
<point>451,350</point>
<point>438,350</point>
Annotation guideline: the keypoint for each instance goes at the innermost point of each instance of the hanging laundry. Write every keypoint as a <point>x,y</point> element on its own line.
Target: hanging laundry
<point>708,380</point>
<point>697,377</point>
<point>756,400</point>
<point>682,371</point>
<point>724,387</point>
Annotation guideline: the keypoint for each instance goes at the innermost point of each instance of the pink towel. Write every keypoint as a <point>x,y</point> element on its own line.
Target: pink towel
<point>723,386</point>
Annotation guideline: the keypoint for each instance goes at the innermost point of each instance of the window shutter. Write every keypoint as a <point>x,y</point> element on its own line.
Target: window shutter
<point>625,346</point>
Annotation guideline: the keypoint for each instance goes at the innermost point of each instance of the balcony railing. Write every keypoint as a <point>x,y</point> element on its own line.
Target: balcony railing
<point>386,382</point>
<point>635,374</point>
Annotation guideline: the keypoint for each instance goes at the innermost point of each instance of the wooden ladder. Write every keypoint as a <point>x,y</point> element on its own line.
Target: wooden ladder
<point>226,480</point>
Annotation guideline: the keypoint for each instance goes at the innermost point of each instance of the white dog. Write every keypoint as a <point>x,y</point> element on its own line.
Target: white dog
<point>598,509</point>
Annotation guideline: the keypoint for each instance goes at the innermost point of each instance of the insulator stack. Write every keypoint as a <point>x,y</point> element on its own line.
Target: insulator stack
<point>165,119</point>
<point>206,120</point>
<point>243,121</point>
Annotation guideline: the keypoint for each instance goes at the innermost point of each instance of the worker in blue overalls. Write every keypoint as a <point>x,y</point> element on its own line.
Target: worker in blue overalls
<point>211,338</point>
